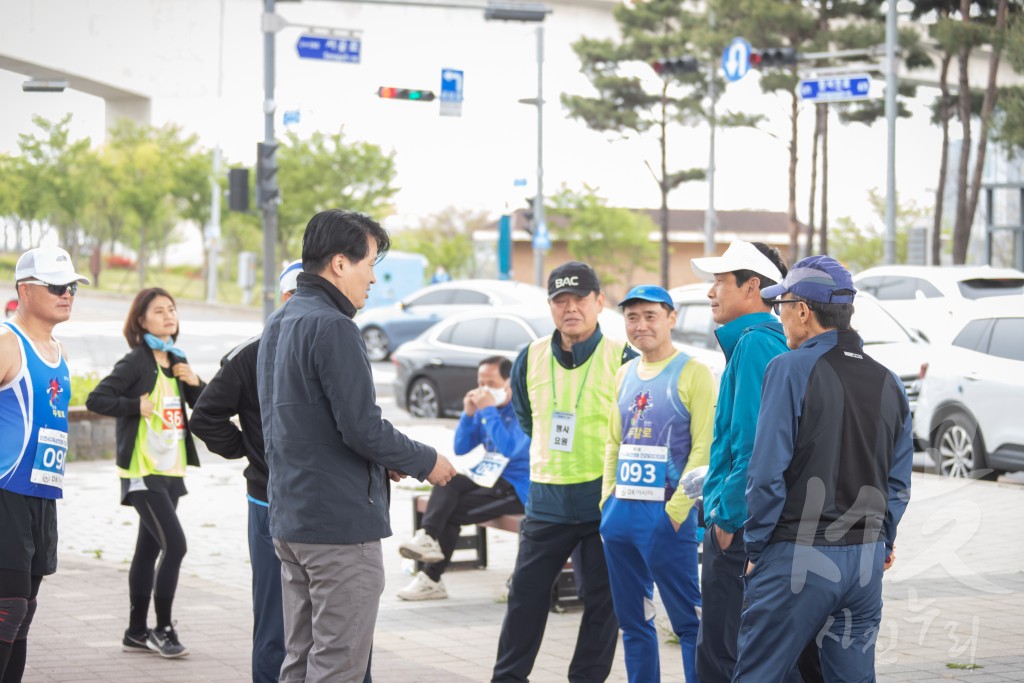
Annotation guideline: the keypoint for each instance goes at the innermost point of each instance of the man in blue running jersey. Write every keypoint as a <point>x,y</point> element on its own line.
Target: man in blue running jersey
<point>35,390</point>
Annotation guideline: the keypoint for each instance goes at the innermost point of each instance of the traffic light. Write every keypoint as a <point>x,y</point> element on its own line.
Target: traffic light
<point>405,94</point>
<point>238,189</point>
<point>675,65</point>
<point>267,191</point>
<point>773,56</point>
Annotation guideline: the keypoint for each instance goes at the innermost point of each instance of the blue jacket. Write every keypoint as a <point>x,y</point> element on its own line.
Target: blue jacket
<point>833,452</point>
<point>498,430</point>
<point>750,342</point>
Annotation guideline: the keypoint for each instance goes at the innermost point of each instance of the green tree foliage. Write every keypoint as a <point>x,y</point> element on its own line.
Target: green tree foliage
<point>861,247</point>
<point>326,172</point>
<point>155,173</point>
<point>614,241</point>
<point>61,171</point>
<point>624,102</point>
<point>445,239</point>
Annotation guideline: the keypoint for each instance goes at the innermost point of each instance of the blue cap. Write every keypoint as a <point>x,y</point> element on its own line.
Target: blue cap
<point>652,293</point>
<point>288,280</point>
<point>818,278</point>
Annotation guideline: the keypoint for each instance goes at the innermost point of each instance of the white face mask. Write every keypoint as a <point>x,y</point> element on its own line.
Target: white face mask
<point>499,395</point>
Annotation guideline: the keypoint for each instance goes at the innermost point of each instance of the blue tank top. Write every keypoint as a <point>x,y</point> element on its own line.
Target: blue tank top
<point>34,424</point>
<point>655,433</point>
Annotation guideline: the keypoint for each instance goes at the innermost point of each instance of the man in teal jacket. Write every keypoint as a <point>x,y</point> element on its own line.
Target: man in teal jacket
<point>750,336</point>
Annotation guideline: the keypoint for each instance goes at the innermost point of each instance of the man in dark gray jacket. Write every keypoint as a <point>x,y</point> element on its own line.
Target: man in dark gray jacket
<point>331,454</point>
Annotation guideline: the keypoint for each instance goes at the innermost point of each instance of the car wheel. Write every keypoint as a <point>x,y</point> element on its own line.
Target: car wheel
<point>376,344</point>
<point>424,400</point>
<point>958,449</point>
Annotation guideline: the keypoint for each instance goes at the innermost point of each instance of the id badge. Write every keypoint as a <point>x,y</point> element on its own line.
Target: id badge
<point>563,427</point>
<point>641,473</point>
<point>51,451</point>
<point>486,472</point>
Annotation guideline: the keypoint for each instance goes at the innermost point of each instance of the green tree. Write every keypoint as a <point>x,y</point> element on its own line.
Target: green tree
<point>861,247</point>
<point>445,239</point>
<point>614,241</point>
<point>63,170</point>
<point>657,29</point>
<point>146,169</point>
<point>326,172</point>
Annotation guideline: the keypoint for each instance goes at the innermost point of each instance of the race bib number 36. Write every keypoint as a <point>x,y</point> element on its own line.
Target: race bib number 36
<point>641,473</point>
<point>51,450</point>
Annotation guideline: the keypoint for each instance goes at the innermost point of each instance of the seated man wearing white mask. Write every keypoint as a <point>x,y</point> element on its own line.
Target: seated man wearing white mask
<point>495,486</point>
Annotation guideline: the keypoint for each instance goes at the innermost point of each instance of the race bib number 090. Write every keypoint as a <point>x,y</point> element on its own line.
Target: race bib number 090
<point>51,451</point>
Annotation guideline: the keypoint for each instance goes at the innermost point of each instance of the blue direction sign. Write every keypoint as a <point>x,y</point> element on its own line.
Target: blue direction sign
<point>329,48</point>
<point>836,88</point>
<point>736,59</point>
<point>541,237</point>
<point>451,92</point>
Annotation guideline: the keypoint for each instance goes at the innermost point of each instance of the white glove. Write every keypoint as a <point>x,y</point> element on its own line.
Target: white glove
<point>693,482</point>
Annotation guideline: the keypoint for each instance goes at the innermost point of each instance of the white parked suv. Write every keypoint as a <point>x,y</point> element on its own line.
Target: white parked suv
<point>972,393</point>
<point>930,299</point>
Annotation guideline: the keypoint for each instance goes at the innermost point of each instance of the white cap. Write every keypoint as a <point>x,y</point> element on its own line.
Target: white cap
<point>739,256</point>
<point>51,265</point>
<point>288,279</point>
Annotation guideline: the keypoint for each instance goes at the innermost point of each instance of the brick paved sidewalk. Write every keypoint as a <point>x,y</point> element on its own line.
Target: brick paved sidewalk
<point>956,595</point>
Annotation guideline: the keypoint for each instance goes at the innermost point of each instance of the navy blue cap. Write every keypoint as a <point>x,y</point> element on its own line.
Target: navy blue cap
<point>818,278</point>
<point>652,293</point>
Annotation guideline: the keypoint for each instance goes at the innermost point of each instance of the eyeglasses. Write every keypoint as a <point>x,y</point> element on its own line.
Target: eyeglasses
<point>56,290</point>
<point>777,304</point>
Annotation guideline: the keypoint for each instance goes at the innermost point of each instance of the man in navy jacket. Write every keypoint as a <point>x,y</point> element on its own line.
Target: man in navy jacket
<point>330,453</point>
<point>827,485</point>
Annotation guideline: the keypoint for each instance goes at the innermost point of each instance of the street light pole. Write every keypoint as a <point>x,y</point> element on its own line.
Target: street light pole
<point>538,203</point>
<point>890,120</point>
<point>269,208</point>
<point>531,12</point>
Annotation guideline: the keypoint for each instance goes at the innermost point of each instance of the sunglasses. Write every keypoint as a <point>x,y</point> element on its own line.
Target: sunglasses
<point>56,290</point>
<point>777,304</point>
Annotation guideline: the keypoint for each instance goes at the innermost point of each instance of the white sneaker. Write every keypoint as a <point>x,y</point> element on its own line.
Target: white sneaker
<point>424,588</point>
<point>422,548</point>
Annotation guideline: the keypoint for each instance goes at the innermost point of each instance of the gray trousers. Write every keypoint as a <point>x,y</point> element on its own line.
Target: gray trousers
<point>330,595</point>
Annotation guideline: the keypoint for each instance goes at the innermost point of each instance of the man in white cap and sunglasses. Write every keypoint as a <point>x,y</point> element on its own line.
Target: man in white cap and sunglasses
<point>35,390</point>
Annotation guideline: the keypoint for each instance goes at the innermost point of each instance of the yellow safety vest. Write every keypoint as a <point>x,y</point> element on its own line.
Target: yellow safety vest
<point>589,392</point>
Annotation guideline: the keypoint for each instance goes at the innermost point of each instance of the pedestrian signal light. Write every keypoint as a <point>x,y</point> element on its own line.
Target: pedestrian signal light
<point>675,65</point>
<point>387,93</point>
<point>773,56</point>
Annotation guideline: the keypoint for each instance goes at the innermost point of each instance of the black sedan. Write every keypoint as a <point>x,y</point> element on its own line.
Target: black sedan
<point>435,370</point>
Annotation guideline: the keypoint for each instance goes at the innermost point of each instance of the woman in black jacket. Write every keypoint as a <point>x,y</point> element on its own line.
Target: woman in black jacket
<point>147,392</point>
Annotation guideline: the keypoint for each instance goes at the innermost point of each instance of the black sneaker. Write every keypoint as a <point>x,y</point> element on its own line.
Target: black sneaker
<point>135,642</point>
<point>165,641</point>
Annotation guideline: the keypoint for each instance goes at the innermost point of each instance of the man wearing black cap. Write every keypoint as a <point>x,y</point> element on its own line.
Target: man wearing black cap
<point>659,430</point>
<point>563,389</point>
<point>827,485</point>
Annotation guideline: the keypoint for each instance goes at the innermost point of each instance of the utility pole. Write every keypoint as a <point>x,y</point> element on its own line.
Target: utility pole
<point>710,214</point>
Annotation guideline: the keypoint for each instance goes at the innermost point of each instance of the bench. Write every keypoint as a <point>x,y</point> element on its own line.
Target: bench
<point>563,593</point>
<point>476,542</point>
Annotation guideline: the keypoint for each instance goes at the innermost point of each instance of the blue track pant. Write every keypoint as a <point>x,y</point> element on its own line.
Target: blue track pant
<point>643,549</point>
<point>797,593</point>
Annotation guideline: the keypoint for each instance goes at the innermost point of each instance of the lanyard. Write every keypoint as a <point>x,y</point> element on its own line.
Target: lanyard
<point>586,372</point>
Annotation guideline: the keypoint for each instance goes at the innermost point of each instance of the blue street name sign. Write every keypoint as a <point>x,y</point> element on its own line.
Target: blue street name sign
<point>451,92</point>
<point>836,88</point>
<point>329,48</point>
<point>736,59</point>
